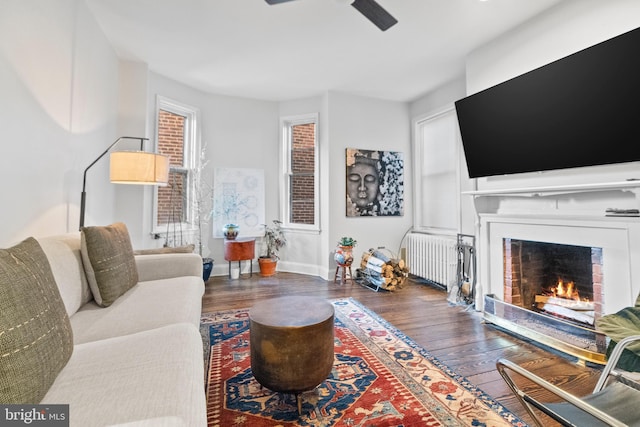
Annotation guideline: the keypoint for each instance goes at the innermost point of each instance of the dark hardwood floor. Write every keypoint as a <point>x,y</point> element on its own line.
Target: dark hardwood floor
<point>456,336</point>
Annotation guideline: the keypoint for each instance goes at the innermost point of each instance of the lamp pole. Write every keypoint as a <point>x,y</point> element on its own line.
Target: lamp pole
<point>83,195</point>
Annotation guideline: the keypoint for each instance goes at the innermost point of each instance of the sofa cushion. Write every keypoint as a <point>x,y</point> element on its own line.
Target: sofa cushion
<point>164,266</point>
<point>108,261</point>
<point>146,306</point>
<point>186,249</point>
<point>63,253</point>
<point>153,374</point>
<point>36,340</point>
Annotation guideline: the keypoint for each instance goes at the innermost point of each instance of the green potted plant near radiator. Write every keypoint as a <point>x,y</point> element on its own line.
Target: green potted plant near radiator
<point>273,241</point>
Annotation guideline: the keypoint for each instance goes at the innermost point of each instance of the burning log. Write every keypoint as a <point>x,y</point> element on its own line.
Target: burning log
<point>563,300</point>
<point>567,303</point>
<point>579,316</point>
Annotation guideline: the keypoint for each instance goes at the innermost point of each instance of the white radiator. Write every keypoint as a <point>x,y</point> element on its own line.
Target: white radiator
<point>434,258</point>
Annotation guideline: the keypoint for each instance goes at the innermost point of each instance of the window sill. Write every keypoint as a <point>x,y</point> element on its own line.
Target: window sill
<point>300,230</point>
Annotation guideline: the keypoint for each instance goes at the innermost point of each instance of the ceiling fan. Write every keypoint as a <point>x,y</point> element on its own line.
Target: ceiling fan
<point>369,8</point>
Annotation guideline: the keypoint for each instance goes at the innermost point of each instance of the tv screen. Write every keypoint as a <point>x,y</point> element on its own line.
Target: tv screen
<point>582,110</point>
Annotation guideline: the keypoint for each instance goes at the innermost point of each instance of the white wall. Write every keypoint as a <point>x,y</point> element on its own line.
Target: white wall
<point>58,111</point>
<point>372,124</point>
<point>433,102</point>
<point>133,202</point>
<point>238,133</point>
<point>347,121</point>
<point>245,133</point>
<point>565,29</point>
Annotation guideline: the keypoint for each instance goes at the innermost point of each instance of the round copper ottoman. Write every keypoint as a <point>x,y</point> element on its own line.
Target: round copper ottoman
<point>291,343</point>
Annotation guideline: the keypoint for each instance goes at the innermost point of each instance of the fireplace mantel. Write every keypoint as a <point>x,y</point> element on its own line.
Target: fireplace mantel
<point>593,200</point>
<point>575,214</point>
<point>552,190</point>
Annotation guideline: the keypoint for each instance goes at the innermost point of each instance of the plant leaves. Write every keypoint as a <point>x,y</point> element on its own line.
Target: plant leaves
<point>620,325</point>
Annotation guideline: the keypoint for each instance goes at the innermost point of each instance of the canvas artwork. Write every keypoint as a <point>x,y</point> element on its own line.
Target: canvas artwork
<point>238,198</point>
<point>375,183</point>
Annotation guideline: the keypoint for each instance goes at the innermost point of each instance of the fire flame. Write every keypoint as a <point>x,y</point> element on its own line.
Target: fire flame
<point>567,291</point>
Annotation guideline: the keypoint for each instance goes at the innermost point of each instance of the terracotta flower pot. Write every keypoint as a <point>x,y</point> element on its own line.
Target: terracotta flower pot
<point>267,266</point>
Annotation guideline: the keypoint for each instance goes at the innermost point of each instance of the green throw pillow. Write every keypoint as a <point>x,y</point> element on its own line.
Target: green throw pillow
<point>108,262</point>
<point>36,340</point>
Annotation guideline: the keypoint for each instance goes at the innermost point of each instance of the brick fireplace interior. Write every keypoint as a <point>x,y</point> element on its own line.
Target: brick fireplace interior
<point>559,280</point>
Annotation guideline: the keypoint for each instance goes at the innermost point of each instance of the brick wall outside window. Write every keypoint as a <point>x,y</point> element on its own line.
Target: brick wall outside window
<point>171,143</point>
<point>302,183</point>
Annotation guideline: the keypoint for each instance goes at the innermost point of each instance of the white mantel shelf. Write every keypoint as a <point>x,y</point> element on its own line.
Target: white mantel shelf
<point>630,185</point>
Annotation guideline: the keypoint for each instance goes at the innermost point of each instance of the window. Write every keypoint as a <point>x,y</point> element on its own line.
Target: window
<point>436,173</point>
<point>300,171</point>
<point>176,133</point>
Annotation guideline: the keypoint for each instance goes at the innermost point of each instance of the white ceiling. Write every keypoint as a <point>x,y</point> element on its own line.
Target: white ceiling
<point>304,48</point>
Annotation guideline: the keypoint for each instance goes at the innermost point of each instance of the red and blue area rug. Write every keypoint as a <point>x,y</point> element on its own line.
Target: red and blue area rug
<point>380,378</point>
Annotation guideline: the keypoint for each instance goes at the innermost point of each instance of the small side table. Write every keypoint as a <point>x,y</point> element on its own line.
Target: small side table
<point>240,250</point>
<point>292,343</point>
<point>344,275</point>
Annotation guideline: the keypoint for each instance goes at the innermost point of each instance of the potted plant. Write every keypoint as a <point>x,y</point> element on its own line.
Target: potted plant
<point>274,239</point>
<point>347,241</point>
<point>344,251</point>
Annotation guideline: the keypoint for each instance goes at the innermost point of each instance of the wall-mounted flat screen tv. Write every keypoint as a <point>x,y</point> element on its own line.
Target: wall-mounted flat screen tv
<point>582,110</point>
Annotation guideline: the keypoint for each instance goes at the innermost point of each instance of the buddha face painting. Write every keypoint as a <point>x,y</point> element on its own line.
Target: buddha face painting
<point>362,183</point>
<point>374,183</point>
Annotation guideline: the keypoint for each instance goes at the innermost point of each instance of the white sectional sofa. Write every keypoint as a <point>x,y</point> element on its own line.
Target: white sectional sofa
<point>139,360</point>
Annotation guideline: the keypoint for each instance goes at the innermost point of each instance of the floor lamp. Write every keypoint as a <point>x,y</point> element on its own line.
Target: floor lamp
<point>130,167</point>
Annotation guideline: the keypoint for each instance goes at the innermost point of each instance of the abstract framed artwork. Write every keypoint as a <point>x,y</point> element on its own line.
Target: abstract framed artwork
<point>375,183</point>
<point>238,197</point>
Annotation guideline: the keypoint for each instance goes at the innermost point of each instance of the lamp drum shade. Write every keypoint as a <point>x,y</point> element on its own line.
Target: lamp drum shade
<point>139,167</point>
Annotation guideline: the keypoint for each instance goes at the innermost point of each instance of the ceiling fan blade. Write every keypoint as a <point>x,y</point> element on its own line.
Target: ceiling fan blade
<point>272,2</point>
<point>374,13</point>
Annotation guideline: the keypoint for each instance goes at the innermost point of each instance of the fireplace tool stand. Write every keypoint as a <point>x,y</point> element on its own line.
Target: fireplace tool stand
<point>464,290</point>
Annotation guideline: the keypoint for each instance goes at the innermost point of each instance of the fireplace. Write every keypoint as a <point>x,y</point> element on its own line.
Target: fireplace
<point>564,231</point>
<point>552,293</point>
<point>594,255</point>
<point>559,280</point>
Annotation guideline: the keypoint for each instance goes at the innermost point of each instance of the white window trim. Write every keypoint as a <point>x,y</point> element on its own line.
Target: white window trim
<point>191,158</point>
<point>418,145</point>
<point>286,123</point>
